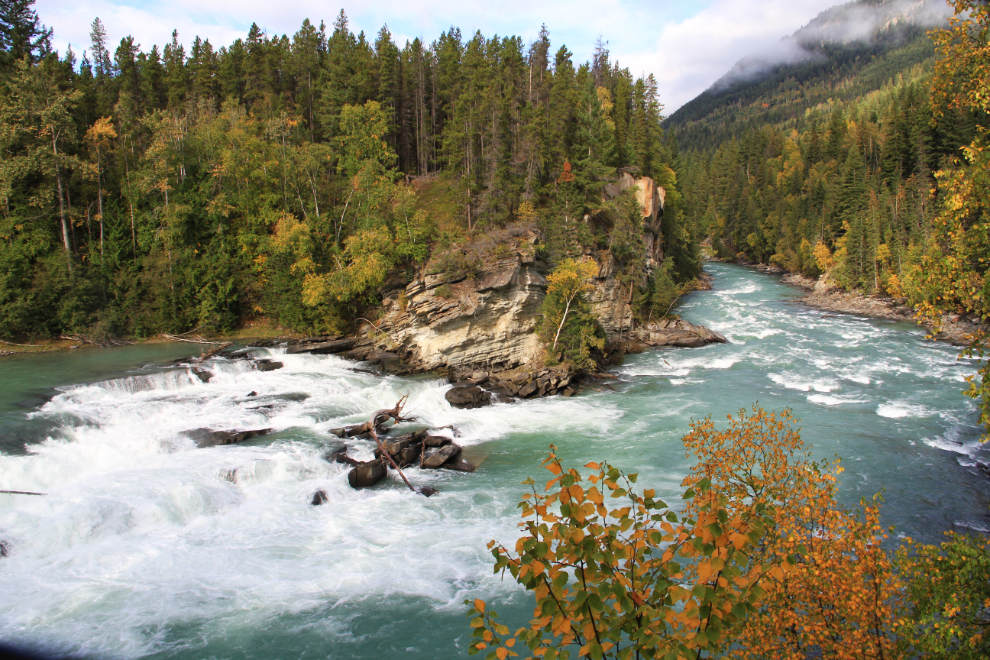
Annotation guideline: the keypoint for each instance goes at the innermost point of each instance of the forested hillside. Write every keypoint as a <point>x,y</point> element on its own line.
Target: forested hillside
<point>285,178</point>
<point>845,53</point>
<point>881,188</point>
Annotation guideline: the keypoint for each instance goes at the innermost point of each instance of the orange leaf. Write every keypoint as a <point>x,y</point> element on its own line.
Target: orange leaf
<point>479,605</point>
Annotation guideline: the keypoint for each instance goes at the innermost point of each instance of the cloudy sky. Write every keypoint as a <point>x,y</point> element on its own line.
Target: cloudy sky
<point>686,44</point>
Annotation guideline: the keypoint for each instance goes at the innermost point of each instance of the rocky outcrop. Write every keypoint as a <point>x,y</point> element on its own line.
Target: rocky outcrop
<point>611,301</point>
<point>651,200</point>
<point>475,308</point>
<point>322,345</point>
<point>482,319</point>
<point>477,389</point>
<point>677,332</point>
<point>429,452</point>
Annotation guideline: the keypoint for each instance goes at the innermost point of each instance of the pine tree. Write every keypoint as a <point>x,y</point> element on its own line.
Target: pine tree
<point>176,76</point>
<point>21,33</point>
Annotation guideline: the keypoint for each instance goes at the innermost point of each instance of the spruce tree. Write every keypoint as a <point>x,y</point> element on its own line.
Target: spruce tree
<point>21,33</point>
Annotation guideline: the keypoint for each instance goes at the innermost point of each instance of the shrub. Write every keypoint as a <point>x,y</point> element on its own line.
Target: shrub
<point>761,562</point>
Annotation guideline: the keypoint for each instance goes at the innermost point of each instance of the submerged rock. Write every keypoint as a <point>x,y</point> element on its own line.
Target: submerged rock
<point>201,374</point>
<point>459,465</point>
<point>340,456</point>
<point>211,438</point>
<point>319,497</point>
<point>441,456</point>
<point>470,396</point>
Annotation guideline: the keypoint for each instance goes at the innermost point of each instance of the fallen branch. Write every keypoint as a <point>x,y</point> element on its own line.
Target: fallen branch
<point>210,353</point>
<point>194,340</point>
<point>374,424</point>
<point>189,332</point>
<point>396,414</point>
<point>20,492</point>
<point>10,343</point>
<point>102,343</point>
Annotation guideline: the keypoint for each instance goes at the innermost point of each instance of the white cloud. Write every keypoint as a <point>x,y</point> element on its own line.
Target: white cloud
<point>688,56</point>
<point>687,45</point>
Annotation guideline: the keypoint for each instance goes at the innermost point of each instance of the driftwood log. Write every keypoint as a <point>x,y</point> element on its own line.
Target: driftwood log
<point>103,343</point>
<point>379,418</point>
<point>375,424</point>
<point>210,353</point>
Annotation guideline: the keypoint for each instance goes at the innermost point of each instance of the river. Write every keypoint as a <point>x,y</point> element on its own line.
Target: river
<point>141,547</point>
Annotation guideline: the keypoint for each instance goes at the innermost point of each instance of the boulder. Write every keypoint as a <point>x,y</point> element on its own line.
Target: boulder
<point>441,456</point>
<point>460,465</point>
<point>529,389</point>
<point>471,396</point>
<point>436,441</point>
<point>340,456</point>
<point>201,374</point>
<point>366,475</point>
<point>389,362</point>
<point>688,341</point>
<point>267,365</point>
<point>211,438</point>
<point>323,347</point>
<point>408,456</point>
<point>319,497</point>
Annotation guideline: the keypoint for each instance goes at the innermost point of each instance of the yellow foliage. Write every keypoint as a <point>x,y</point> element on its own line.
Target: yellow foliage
<point>831,586</point>
<point>823,257</point>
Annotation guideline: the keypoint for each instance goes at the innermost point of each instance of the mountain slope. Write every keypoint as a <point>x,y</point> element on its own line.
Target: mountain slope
<point>845,52</point>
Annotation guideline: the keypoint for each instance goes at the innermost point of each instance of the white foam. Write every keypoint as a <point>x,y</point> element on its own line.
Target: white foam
<point>832,400</point>
<point>142,529</point>
<point>751,287</point>
<point>898,410</point>
<point>792,382</point>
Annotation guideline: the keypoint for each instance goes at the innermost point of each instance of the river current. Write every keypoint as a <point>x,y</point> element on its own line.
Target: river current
<point>143,547</point>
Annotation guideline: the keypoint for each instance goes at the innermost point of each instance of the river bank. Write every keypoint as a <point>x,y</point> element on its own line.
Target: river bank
<point>955,329</point>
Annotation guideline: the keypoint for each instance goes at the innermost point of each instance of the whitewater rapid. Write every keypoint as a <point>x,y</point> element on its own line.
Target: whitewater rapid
<point>147,546</point>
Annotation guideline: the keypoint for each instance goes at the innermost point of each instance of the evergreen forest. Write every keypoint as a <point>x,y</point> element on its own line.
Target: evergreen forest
<point>283,179</point>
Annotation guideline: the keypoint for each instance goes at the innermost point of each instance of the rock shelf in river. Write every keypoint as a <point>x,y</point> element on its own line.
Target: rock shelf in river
<point>824,294</point>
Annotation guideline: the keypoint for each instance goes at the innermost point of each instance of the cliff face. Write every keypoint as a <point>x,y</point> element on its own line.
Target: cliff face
<point>486,320</point>
<point>477,307</point>
<point>611,301</point>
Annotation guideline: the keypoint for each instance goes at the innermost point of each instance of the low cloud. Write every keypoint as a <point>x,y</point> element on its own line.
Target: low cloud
<point>844,24</point>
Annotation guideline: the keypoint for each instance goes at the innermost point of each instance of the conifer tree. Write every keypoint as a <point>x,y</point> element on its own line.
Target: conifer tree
<point>21,33</point>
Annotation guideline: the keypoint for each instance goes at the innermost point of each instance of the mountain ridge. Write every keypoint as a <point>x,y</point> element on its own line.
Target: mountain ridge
<point>846,51</point>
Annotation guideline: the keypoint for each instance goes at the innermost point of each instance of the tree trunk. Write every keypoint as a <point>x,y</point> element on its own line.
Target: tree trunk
<point>567,308</point>
<point>61,202</point>
<point>99,197</point>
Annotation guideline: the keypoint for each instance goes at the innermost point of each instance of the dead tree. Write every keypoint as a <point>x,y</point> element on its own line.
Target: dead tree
<point>381,417</point>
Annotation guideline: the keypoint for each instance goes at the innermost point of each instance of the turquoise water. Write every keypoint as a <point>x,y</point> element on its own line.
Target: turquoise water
<point>143,549</point>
